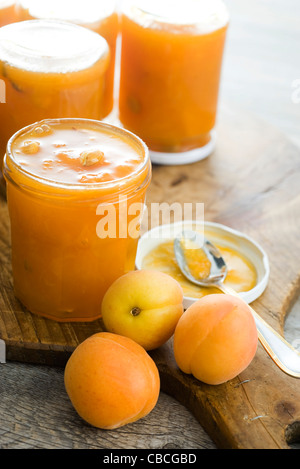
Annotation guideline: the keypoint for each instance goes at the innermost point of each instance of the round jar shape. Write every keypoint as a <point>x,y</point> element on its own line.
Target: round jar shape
<point>171,60</point>
<point>49,69</point>
<point>76,190</point>
<point>99,16</point>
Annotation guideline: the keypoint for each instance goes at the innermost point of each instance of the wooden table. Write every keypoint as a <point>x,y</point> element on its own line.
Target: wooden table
<point>248,197</point>
<point>34,410</point>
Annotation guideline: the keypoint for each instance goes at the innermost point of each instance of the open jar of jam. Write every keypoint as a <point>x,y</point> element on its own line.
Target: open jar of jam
<point>76,190</point>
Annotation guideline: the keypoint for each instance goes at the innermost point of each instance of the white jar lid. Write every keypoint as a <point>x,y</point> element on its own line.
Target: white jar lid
<point>207,15</point>
<point>75,11</point>
<point>50,46</point>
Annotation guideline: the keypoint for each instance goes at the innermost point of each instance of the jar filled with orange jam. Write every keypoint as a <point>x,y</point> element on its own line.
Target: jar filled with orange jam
<point>75,191</point>
<point>49,69</point>
<point>7,12</point>
<point>171,59</point>
<point>98,15</point>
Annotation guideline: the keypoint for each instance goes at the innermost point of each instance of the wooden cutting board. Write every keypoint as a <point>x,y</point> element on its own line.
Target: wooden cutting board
<point>251,183</point>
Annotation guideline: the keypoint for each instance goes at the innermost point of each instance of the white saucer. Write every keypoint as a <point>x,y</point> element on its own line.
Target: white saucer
<point>230,237</point>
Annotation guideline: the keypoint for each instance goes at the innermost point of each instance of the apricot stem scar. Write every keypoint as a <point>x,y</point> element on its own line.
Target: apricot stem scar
<point>135,311</point>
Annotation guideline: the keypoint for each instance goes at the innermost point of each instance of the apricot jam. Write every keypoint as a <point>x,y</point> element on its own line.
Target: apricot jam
<point>171,61</point>
<point>7,12</point>
<point>97,15</point>
<point>74,188</point>
<point>241,274</point>
<point>50,70</point>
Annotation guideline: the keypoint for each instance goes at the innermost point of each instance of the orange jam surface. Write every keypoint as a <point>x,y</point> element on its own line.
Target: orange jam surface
<point>99,16</point>
<point>64,180</point>
<point>241,274</point>
<point>72,154</point>
<point>171,61</point>
<point>50,70</point>
<point>7,12</point>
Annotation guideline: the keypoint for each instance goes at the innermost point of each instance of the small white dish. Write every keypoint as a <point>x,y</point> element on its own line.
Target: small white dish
<point>229,237</point>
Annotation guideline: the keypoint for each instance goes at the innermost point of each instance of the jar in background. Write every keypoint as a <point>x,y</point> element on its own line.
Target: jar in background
<point>171,60</point>
<point>76,190</point>
<point>49,69</point>
<point>98,15</point>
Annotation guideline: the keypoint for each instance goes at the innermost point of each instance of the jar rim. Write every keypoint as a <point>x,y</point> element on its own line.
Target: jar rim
<point>67,186</point>
<point>206,16</point>
<point>78,12</point>
<point>52,52</point>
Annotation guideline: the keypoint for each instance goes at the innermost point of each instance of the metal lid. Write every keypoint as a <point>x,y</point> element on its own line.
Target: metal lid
<point>75,11</point>
<point>50,46</point>
<point>205,16</point>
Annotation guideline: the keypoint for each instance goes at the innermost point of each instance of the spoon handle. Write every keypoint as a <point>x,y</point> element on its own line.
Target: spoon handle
<point>281,352</point>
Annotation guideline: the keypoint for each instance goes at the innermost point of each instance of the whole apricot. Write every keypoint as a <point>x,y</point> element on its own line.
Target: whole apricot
<point>144,305</point>
<point>215,339</point>
<point>111,381</point>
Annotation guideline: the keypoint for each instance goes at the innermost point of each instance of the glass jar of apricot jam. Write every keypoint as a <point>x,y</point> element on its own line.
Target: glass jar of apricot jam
<point>76,192</point>
<point>97,15</point>
<point>7,12</point>
<point>50,69</point>
<point>171,58</point>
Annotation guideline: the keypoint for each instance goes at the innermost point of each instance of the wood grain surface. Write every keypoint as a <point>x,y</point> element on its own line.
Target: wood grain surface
<point>36,414</point>
<point>250,183</point>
